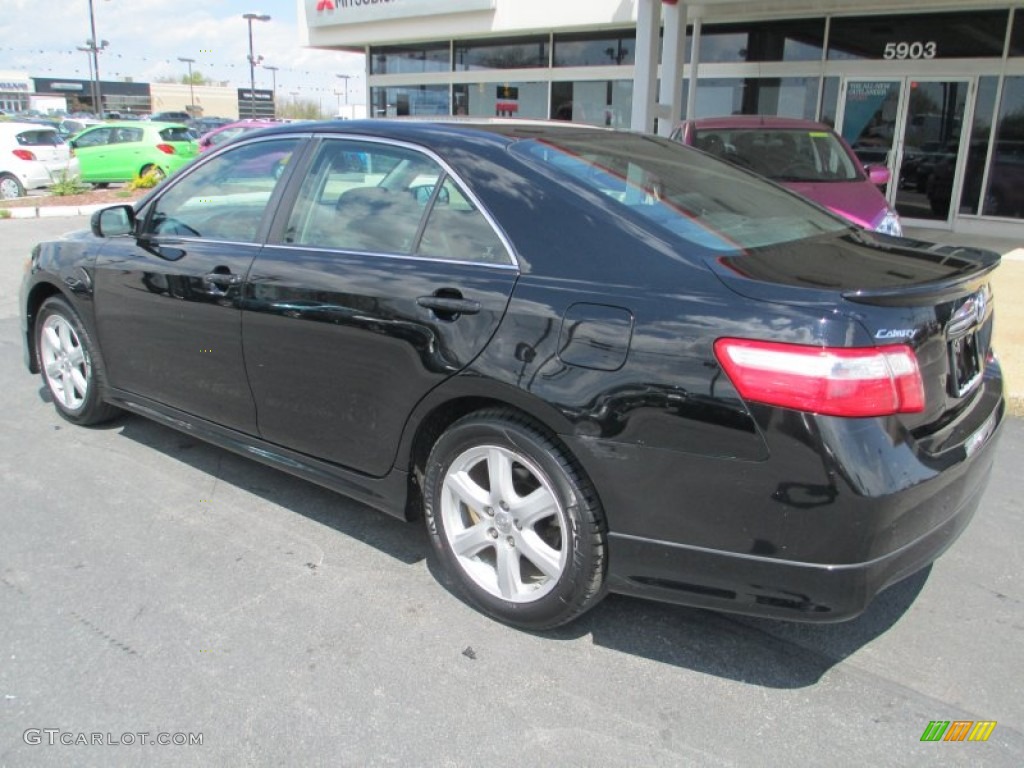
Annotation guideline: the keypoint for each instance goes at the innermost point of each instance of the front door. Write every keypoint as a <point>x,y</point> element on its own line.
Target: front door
<point>169,296</point>
<point>915,127</point>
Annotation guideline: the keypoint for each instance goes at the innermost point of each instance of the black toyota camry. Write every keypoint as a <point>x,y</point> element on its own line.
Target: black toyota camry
<point>589,360</point>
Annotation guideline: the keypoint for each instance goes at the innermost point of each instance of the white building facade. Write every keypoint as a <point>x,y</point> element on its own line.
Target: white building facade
<point>933,89</point>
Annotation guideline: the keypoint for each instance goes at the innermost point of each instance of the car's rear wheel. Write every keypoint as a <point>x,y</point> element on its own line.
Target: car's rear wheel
<point>10,187</point>
<point>515,521</point>
<point>70,368</point>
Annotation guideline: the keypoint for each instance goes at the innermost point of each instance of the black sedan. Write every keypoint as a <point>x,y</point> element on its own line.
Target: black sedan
<point>590,360</point>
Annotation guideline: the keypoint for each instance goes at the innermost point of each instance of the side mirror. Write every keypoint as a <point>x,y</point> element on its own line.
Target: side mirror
<point>110,222</point>
<point>878,174</point>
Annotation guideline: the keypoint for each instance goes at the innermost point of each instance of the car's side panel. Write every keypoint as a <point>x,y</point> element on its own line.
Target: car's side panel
<point>169,324</point>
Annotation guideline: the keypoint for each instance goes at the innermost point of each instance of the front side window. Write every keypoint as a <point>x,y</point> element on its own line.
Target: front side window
<point>96,138</point>
<point>226,197</point>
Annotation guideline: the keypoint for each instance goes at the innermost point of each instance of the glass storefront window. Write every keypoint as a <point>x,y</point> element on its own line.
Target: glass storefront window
<point>400,101</point>
<point>1004,194</point>
<point>981,129</point>
<point>513,53</point>
<point>778,96</point>
<point>501,99</point>
<point>977,34</point>
<point>607,103</point>
<point>408,59</point>
<point>592,49</point>
<point>791,40</point>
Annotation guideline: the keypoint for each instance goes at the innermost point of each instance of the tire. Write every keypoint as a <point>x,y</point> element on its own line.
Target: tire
<point>530,552</point>
<point>10,187</point>
<point>155,170</point>
<point>71,370</point>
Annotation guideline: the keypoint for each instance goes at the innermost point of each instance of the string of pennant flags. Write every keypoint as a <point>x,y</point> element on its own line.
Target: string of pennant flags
<point>27,59</point>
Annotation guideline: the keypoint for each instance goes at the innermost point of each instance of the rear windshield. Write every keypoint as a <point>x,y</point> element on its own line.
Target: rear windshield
<point>177,134</point>
<point>782,154</point>
<point>699,198</point>
<point>40,138</point>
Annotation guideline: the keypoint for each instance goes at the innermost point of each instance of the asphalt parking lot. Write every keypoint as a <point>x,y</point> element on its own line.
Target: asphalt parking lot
<point>151,584</point>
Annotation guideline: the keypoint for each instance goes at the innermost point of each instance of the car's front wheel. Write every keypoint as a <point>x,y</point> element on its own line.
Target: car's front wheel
<point>515,521</point>
<point>71,371</point>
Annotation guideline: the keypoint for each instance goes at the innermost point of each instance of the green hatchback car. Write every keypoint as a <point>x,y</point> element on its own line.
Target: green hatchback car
<point>124,151</point>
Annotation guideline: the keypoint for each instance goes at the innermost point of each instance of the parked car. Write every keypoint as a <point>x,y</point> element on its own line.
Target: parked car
<point>225,133</point>
<point>807,157</point>
<point>170,117</point>
<point>596,360</point>
<point>31,157</point>
<point>203,125</point>
<point>70,126</point>
<point>122,151</point>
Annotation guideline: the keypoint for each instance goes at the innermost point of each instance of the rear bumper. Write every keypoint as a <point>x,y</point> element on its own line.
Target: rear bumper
<point>809,534</point>
<point>761,586</point>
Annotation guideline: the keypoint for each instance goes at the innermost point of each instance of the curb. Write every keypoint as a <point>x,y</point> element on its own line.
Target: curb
<point>54,211</point>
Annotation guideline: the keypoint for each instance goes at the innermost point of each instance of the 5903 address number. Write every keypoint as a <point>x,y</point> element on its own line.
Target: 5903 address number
<point>910,50</point>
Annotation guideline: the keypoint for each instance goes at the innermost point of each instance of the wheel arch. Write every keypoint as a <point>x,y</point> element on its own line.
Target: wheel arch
<point>451,402</point>
<point>39,293</point>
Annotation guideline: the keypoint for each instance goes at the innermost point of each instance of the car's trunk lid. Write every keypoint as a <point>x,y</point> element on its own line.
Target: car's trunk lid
<point>936,299</point>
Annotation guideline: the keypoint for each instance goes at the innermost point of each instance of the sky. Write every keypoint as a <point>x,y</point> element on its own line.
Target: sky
<point>146,38</point>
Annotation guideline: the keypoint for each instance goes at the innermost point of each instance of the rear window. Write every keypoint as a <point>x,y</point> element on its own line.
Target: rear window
<point>703,200</point>
<point>177,134</point>
<point>39,138</point>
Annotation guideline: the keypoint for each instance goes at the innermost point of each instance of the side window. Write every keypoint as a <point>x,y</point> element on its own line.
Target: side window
<point>456,230</point>
<point>93,138</point>
<point>363,196</point>
<point>226,197</point>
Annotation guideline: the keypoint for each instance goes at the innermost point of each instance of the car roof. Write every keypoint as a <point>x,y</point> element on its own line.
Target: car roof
<point>758,121</point>
<point>419,128</point>
<point>16,127</point>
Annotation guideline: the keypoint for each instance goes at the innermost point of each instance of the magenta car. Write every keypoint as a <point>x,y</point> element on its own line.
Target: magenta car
<point>807,157</point>
<point>226,133</point>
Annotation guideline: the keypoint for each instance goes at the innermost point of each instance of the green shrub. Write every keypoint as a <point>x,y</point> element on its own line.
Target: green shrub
<point>67,184</point>
<point>4,213</point>
<point>148,180</point>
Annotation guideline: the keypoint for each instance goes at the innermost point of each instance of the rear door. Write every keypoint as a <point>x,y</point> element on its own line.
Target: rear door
<point>386,279</point>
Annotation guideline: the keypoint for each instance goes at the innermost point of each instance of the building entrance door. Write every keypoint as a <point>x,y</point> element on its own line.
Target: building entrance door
<point>914,126</point>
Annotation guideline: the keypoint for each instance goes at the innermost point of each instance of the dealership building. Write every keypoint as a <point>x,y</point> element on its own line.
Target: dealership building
<point>933,89</point>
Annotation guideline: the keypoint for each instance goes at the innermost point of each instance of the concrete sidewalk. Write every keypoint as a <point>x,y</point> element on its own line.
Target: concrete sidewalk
<point>1007,286</point>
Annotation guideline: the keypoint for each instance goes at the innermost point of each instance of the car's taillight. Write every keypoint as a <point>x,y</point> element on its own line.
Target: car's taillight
<point>167,149</point>
<point>835,381</point>
<point>24,154</point>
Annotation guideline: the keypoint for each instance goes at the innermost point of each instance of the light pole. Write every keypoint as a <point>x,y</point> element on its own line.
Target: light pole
<point>191,84</point>
<point>97,93</point>
<point>251,17</point>
<point>273,74</point>
<point>92,82</point>
<point>345,78</point>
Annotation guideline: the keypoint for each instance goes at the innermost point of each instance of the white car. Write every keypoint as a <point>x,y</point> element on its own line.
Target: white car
<point>32,156</point>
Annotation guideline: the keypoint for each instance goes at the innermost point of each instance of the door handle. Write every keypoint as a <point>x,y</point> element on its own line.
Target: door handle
<point>223,278</point>
<point>450,306</point>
